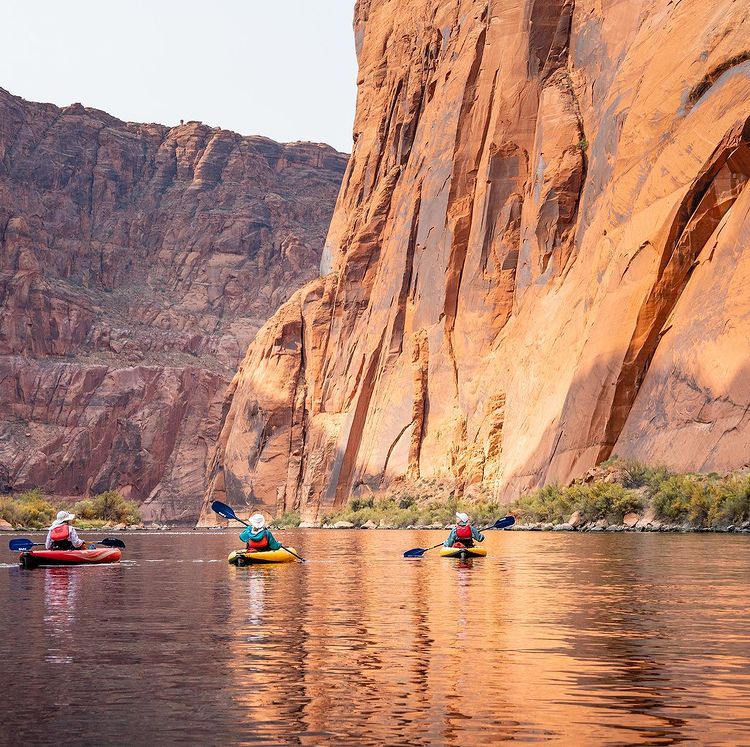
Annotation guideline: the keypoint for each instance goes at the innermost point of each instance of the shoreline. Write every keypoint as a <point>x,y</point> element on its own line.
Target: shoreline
<point>610,529</point>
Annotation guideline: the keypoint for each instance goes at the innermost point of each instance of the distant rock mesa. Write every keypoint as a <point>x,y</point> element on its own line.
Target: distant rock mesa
<point>539,258</point>
<point>137,263</point>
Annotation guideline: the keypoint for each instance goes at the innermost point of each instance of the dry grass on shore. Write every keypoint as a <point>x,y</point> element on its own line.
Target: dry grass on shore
<point>609,492</point>
<point>33,510</point>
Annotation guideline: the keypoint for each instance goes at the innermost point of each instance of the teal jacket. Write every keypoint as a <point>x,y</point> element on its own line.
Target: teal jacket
<point>476,535</point>
<point>250,534</point>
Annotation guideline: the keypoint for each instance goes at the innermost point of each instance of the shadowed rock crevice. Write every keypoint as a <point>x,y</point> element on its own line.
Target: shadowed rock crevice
<point>460,208</point>
<point>701,88</point>
<point>707,202</point>
<point>421,406</point>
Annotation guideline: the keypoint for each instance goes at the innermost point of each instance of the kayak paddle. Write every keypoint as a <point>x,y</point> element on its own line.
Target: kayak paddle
<point>504,523</point>
<point>24,545</point>
<point>228,513</point>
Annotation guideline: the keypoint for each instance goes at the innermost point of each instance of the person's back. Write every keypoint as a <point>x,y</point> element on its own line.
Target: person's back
<point>257,537</point>
<point>463,535</point>
<point>61,535</point>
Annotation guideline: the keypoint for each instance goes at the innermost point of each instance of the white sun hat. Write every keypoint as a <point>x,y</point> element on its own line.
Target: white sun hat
<point>62,517</point>
<point>462,517</point>
<point>257,521</point>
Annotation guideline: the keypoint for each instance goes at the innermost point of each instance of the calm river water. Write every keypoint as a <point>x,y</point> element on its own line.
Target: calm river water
<point>568,638</point>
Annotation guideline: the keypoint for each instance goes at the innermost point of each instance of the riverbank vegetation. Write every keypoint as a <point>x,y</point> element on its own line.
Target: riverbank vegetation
<point>615,492</point>
<point>33,510</point>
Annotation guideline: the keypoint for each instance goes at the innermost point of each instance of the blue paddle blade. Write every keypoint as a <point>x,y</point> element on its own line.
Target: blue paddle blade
<point>504,523</point>
<point>111,542</point>
<point>417,552</point>
<point>21,544</point>
<point>223,510</point>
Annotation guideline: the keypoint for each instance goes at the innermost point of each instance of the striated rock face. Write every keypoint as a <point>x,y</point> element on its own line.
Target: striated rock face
<point>137,262</point>
<point>538,259</point>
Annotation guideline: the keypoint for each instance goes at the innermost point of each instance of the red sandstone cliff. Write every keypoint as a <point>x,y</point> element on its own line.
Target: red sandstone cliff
<point>136,264</point>
<point>539,257</point>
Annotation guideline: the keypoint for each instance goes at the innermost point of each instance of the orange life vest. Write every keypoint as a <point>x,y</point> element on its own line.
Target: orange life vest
<point>60,534</point>
<point>258,545</point>
<point>60,538</point>
<point>464,534</point>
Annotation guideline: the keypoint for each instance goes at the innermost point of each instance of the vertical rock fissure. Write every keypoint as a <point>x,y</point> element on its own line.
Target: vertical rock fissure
<point>390,450</point>
<point>299,413</point>
<point>420,405</point>
<point>399,321</point>
<point>461,197</point>
<point>341,483</point>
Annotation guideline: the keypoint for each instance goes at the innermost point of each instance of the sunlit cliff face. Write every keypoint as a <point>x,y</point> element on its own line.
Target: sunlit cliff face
<point>536,259</point>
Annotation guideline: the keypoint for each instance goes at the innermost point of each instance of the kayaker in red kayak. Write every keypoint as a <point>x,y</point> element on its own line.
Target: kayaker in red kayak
<point>62,536</point>
<point>464,534</point>
<point>258,537</point>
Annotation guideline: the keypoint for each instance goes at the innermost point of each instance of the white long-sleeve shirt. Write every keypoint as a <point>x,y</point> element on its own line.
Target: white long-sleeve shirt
<point>75,540</point>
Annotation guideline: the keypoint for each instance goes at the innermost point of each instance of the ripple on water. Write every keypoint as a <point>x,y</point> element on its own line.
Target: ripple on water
<point>583,639</point>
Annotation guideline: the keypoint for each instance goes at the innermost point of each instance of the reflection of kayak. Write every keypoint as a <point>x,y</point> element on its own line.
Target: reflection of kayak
<point>243,557</point>
<point>462,552</point>
<point>36,558</point>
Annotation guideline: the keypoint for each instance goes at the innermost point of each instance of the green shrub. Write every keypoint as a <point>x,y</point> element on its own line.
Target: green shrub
<point>288,520</point>
<point>363,502</point>
<point>638,475</point>
<point>30,509</point>
<point>548,504</point>
<point>483,513</point>
<point>731,502</point>
<point>406,501</point>
<point>593,501</point>
<point>673,498</point>
<point>108,506</point>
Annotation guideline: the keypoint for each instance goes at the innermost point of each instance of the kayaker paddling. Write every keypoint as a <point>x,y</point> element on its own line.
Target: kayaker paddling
<point>62,535</point>
<point>257,537</point>
<point>464,534</point>
<point>256,532</point>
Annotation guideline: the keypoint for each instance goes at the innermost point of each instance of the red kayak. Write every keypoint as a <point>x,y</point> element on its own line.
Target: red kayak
<point>36,558</point>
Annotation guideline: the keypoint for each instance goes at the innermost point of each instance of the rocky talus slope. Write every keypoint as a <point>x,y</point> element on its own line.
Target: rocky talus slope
<point>539,258</point>
<point>137,263</point>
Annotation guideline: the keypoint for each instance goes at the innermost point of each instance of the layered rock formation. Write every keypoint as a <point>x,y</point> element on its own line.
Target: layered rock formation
<point>136,264</point>
<point>538,259</point>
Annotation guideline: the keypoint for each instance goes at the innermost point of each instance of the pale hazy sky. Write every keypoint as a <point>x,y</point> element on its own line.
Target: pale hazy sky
<point>281,68</point>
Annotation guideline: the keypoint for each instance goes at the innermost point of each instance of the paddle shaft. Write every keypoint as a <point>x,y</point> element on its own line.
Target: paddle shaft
<point>107,542</point>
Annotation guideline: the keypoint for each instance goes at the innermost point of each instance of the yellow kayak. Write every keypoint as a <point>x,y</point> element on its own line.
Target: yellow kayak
<point>243,557</point>
<point>462,552</point>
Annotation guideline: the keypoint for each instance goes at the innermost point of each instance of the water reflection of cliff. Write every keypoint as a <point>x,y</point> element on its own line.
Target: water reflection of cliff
<point>553,642</point>
<point>386,649</point>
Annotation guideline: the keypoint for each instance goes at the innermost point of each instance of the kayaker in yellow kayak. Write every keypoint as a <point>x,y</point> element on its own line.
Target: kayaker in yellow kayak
<point>463,535</point>
<point>258,537</point>
<point>62,536</point>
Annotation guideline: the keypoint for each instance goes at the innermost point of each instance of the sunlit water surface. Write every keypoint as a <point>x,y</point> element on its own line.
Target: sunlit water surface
<point>568,638</point>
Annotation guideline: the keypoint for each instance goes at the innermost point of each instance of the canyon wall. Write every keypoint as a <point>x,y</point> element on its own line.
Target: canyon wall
<point>538,259</point>
<point>137,262</point>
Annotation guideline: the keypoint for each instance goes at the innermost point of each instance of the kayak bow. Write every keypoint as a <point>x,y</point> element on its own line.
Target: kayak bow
<point>462,552</point>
